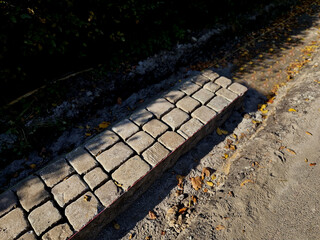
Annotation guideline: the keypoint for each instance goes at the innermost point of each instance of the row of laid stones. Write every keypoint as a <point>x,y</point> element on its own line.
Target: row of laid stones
<point>63,197</point>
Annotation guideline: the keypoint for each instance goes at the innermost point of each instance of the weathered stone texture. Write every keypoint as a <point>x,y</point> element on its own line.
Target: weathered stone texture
<point>155,128</point>
<point>171,140</point>
<point>200,80</point>
<point>238,88</point>
<point>190,127</point>
<point>218,103</point>
<point>95,177</point>
<point>101,142</point>
<point>210,74</point>
<point>13,224</point>
<point>154,154</point>
<point>160,107</point>
<point>140,141</point>
<point>107,193</point>
<point>174,95</point>
<point>223,82</point>
<point>204,114</point>
<point>227,94</point>
<point>189,87</point>
<point>141,117</point>
<point>188,104</point>
<point>203,96</point>
<point>81,160</point>
<point>212,87</point>
<point>8,201</point>
<point>175,118</point>
<point>125,129</point>
<point>60,232</point>
<point>28,236</point>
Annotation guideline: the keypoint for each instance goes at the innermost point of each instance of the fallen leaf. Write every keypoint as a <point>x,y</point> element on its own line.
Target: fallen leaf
<point>292,110</point>
<point>245,182</point>
<point>148,237</point>
<point>88,134</point>
<point>194,199</point>
<point>116,226</point>
<point>130,236</point>
<point>262,109</point>
<point>213,177</point>
<point>220,227</point>
<point>235,136</point>
<point>172,210</point>
<point>163,233</point>
<point>180,181</point>
<point>205,190</point>
<point>118,184</point>
<point>221,132</point>
<point>211,184</point>
<point>119,100</point>
<point>104,124</point>
<point>256,122</point>
<point>291,151</point>
<point>196,182</point>
<point>182,210</point>
<point>33,166</point>
<point>152,215</point>
<point>309,133</point>
<point>205,172</point>
<point>312,164</point>
<point>87,198</point>
<point>225,156</point>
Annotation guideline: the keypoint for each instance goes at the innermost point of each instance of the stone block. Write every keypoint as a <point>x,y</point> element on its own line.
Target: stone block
<point>31,193</point>
<point>171,140</point>
<point>200,80</point>
<point>44,217</point>
<point>212,87</point>
<point>115,156</point>
<point>131,171</point>
<point>28,236</point>
<point>95,177</point>
<point>141,117</point>
<point>8,201</point>
<point>13,224</point>
<point>55,172</point>
<point>60,232</point>
<point>203,96</point>
<point>238,88</point>
<point>189,128</point>
<point>223,82</point>
<point>189,87</point>
<point>227,94</point>
<point>155,128</point>
<point>175,118</point>
<point>107,193</point>
<point>83,210</point>
<point>101,142</point>
<point>174,95</point>
<point>160,107</point>
<point>81,160</point>
<point>125,129</point>
<point>204,114</point>
<point>188,104</point>
<point>68,190</point>
<point>140,141</point>
<point>210,74</point>
<point>218,104</point>
<point>154,154</point>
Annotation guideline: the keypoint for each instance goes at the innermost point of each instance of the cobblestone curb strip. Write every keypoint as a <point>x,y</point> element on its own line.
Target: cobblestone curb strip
<point>75,197</point>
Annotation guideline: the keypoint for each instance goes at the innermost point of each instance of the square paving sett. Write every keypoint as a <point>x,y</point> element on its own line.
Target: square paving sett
<point>79,205</point>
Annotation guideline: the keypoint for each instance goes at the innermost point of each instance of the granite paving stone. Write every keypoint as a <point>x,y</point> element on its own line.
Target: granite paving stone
<point>31,193</point>
<point>175,118</point>
<point>174,95</point>
<point>82,210</point>
<point>189,87</point>
<point>125,129</point>
<point>28,236</point>
<point>155,128</point>
<point>188,104</point>
<point>189,128</point>
<point>13,224</point>
<point>171,140</point>
<point>218,103</point>
<point>140,141</point>
<point>204,114</point>
<point>129,172</point>
<point>115,156</point>
<point>237,88</point>
<point>141,117</point>
<point>227,94</point>
<point>223,82</point>
<point>60,232</point>
<point>8,201</point>
<point>210,74</point>
<point>212,87</point>
<point>44,217</point>
<point>81,160</point>
<point>68,190</point>
<point>154,154</point>
<point>200,80</point>
<point>107,193</point>
<point>55,172</point>
<point>101,142</point>
<point>95,177</point>
<point>203,96</point>
<point>160,107</point>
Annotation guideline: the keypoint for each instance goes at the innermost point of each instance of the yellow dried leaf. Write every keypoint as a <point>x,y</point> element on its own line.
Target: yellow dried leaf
<point>292,110</point>
<point>88,134</point>
<point>309,133</point>
<point>33,166</point>
<point>116,226</point>
<point>118,184</point>
<point>194,199</point>
<point>245,182</point>
<point>225,156</point>
<point>205,172</point>
<point>256,122</point>
<point>196,183</point>
<point>104,124</point>
<point>220,227</point>
<point>291,151</point>
<point>213,177</point>
<point>130,236</point>
<point>211,184</point>
<point>235,136</point>
<point>182,210</point>
<point>306,160</point>
<point>152,215</point>
<point>221,132</point>
<point>87,198</point>
<point>205,190</point>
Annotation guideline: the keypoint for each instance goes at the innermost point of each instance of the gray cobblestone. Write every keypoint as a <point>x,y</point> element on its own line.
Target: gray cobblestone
<point>28,236</point>
<point>82,210</point>
<point>174,95</point>
<point>95,177</point>
<point>160,107</point>
<point>107,193</point>
<point>189,128</point>
<point>60,232</point>
<point>81,160</point>
<point>125,129</point>
<point>210,74</point>
<point>129,172</point>
<point>189,87</point>
<point>155,128</point>
<point>200,80</point>
<point>238,88</point>
<point>101,142</point>
<point>13,224</point>
<point>218,103</point>
<point>223,82</point>
<point>203,96</point>
<point>55,172</point>
<point>141,117</point>
<point>44,217</point>
<point>8,201</point>
<point>188,104</point>
<point>171,140</point>
<point>212,87</point>
<point>227,94</point>
<point>140,141</point>
<point>204,114</point>
<point>175,118</point>
<point>31,193</point>
<point>68,190</point>
<point>115,156</point>
<point>154,154</point>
